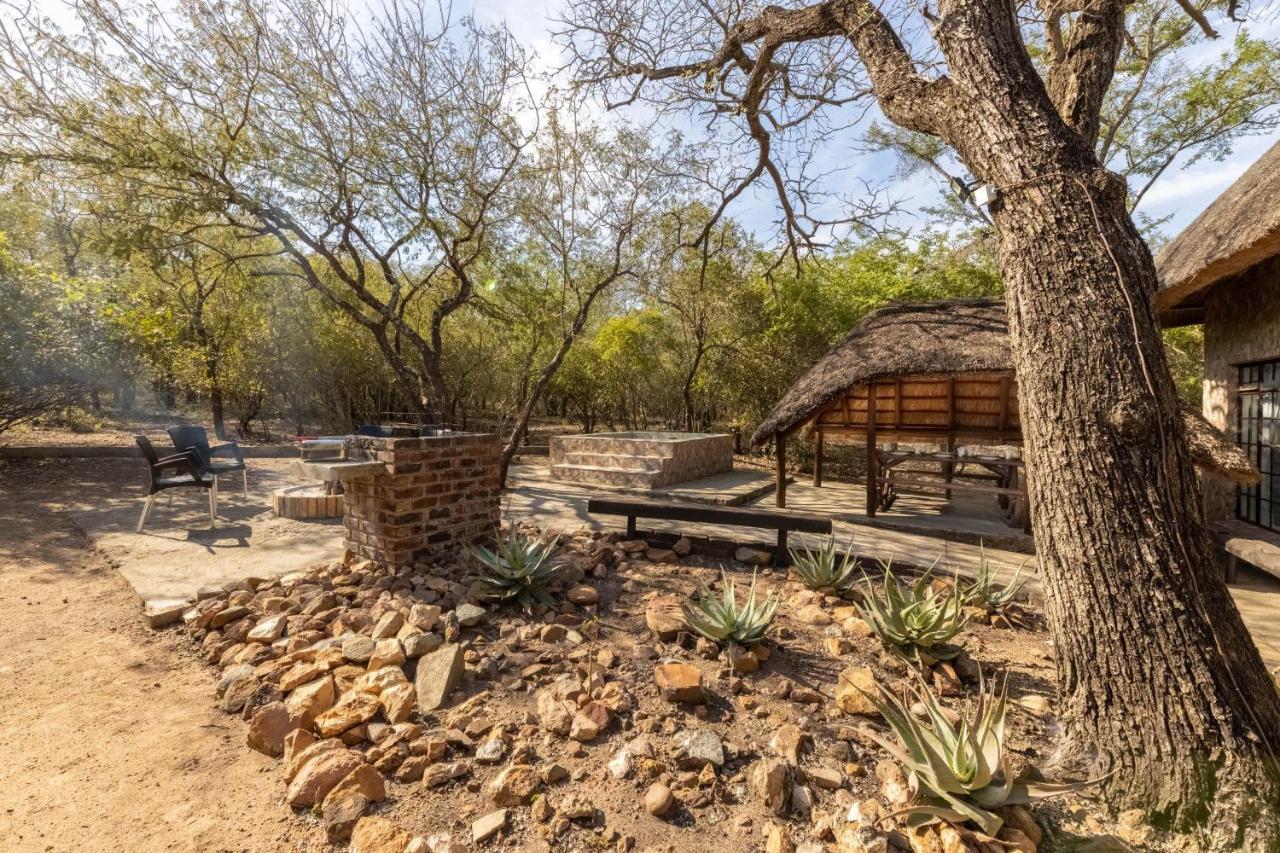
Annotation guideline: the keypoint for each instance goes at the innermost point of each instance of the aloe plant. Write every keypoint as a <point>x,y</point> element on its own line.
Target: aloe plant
<point>958,772</point>
<point>914,620</point>
<point>518,568</point>
<point>985,592</point>
<point>721,619</point>
<point>819,569</point>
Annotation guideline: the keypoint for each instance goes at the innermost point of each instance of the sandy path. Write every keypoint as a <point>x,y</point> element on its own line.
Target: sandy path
<point>108,733</point>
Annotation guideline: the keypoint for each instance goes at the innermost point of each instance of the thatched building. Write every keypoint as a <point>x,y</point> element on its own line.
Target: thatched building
<point>937,373</point>
<point>1223,270</point>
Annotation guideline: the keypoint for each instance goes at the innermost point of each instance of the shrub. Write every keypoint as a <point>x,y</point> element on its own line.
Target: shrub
<point>820,570</point>
<point>958,772</point>
<point>518,568</point>
<point>914,620</point>
<point>983,591</point>
<point>719,618</point>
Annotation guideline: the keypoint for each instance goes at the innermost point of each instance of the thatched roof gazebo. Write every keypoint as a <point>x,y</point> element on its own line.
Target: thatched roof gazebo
<point>936,372</point>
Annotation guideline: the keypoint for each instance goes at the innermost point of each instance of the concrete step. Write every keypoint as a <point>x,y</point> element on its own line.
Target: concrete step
<point>599,475</point>
<point>619,461</point>
<point>598,443</point>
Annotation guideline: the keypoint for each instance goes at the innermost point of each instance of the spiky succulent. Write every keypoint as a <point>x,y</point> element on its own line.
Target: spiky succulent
<point>518,568</point>
<point>958,772</point>
<point>914,620</point>
<point>986,592</point>
<point>721,619</point>
<point>820,569</point>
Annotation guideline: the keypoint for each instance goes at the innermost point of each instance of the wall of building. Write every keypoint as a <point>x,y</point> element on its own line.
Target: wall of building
<point>1242,324</point>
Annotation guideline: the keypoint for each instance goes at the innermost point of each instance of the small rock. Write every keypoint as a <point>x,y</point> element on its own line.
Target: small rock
<point>776,840</point>
<point>438,674</point>
<point>852,687</point>
<point>469,615</point>
<point>488,826</point>
<point>358,649</point>
<point>577,806</point>
<point>374,834</point>
<point>583,595</point>
<point>514,786</point>
<point>320,775</point>
<point>658,800</point>
<point>420,644</point>
<point>772,781</point>
<point>491,751</point>
<point>680,682</point>
<point>268,728</point>
<point>788,741</point>
<point>589,722</point>
<point>664,617</point>
<point>391,622</point>
<point>699,747</point>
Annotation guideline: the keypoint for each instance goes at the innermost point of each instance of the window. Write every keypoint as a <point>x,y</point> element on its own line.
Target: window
<point>1258,432</point>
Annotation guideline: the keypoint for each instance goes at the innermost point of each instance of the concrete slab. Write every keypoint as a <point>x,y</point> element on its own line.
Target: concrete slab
<point>178,552</point>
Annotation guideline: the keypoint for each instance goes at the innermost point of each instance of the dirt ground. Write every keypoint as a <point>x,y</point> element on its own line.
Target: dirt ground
<point>109,733</point>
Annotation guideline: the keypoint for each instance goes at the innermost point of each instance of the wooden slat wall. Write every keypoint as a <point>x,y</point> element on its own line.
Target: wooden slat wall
<point>979,403</point>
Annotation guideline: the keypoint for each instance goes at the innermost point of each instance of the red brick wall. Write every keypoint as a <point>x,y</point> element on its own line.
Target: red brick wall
<point>435,493</point>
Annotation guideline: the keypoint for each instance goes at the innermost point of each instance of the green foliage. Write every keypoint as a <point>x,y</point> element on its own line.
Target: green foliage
<point>518,569</point>
<point>986,592</point>
<point>960,773</point>
<point>722,619</point>
<point>914,620</point>
<point>1184,347</point>
<point>820,569</point>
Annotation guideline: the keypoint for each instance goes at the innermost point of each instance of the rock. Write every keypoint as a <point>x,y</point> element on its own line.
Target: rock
<point>583,595</point>
<point>658,800</point>
<point>852,687</point>
<point>299,758</point>
<point>1020,818</point>
<point>664,617</point>
<point>358,648</point>
<point>514,786</point>
<point>411,769</point>
<point>553,713</point>
<point>826,778</point>
<point>312,699</point>
<point>856,626</point>
<point>367,781</point>
<point>424,617</point>
<point>373,834</point>
<point>439,774</point>
<point>391,622</point>
<point>683,547</point>
<point>743,662</point>
<point>752,556</point>
<point>268,630</point>
<point>577,806</point>
<point>397,702</point>
<point>343,807</point>
<point>788,741</point>
<point>699,747</point>
<point>420,644</point>
<point>237,694</point>
<point>268,728</point>
<point>771,781</point>
<point>620,765</point>
<point>438,674</point>
<point>813,614</point>
<point>661,555</point>
<point>1038,705</point>
<point>386,652</point>
<point>589,722</point>
<point>469,615</point>
<point>321,775</point>
<point>776,840</point>
<point>488,826</point>
<point>350,711</point>
<point>893,784</point>
<point>680,682</point>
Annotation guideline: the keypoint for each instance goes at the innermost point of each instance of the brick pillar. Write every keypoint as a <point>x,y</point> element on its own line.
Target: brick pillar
<point>435,492</point>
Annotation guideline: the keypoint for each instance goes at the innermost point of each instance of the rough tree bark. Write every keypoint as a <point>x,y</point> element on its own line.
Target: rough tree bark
<point>1161,685</point>
<point>1157,672</point>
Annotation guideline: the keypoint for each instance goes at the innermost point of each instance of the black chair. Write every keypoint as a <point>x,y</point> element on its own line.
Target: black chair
<point>195,439</point>
<point>173,472</point>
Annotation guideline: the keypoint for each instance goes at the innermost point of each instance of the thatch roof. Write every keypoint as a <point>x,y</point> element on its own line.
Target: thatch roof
<point>949,336</point>
<point>1239,229</point>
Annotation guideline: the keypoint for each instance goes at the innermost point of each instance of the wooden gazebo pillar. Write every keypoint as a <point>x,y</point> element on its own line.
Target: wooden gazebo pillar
<point>817,459</point>
<point>872,461</point>
<point>780,489</point>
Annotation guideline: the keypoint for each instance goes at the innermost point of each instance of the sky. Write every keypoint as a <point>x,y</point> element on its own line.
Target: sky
<point>1180,194</point>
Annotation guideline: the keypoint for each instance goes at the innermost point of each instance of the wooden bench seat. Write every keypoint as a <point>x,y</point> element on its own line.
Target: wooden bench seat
<point>779,520</point>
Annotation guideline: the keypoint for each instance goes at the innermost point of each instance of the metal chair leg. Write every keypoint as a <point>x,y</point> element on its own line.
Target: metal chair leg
<point>213,503</point>
<point>245,473</point>
<point>146,510</point>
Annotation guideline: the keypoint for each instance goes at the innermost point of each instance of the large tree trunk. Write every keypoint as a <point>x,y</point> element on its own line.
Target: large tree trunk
<point>1159,678</point>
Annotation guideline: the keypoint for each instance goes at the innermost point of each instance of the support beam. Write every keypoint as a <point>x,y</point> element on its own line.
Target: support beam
<point>818,446</point>
<point>949,468</point>
<point>873,487</point>
<point>780,490</point>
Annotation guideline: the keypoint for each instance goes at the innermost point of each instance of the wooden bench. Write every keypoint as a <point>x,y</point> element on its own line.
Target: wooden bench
<point>1248,544</point>
<point>779,520</point>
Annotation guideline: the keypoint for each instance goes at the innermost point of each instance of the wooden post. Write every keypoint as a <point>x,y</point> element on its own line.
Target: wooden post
<point>818,444</point>
<point>949,468</point>
<point>780,490</point>
<point>873,488</point>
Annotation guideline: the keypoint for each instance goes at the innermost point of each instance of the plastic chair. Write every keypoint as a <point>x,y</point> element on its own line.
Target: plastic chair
<point>194,438</point>
<point>180,470</point>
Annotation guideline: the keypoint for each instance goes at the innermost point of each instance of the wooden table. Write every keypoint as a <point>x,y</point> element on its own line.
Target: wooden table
<point>1005,478</point>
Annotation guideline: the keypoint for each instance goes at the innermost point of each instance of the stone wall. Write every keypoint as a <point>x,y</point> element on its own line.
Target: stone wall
<point>436,492</point>
<point>1242,324</point>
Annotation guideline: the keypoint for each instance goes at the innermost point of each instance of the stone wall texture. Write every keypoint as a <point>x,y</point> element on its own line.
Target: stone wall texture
<point>435,493</point>
<point>1242,324</point>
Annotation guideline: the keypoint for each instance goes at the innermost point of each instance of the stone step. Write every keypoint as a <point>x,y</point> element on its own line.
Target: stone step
<point>598,475</point>
<point>622,462</point>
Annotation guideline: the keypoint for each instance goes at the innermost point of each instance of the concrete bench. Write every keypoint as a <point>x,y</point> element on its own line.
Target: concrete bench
<point>1245,543</point>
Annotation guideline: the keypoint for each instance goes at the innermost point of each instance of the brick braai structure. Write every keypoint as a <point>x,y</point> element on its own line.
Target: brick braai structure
<point>435,492</point>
